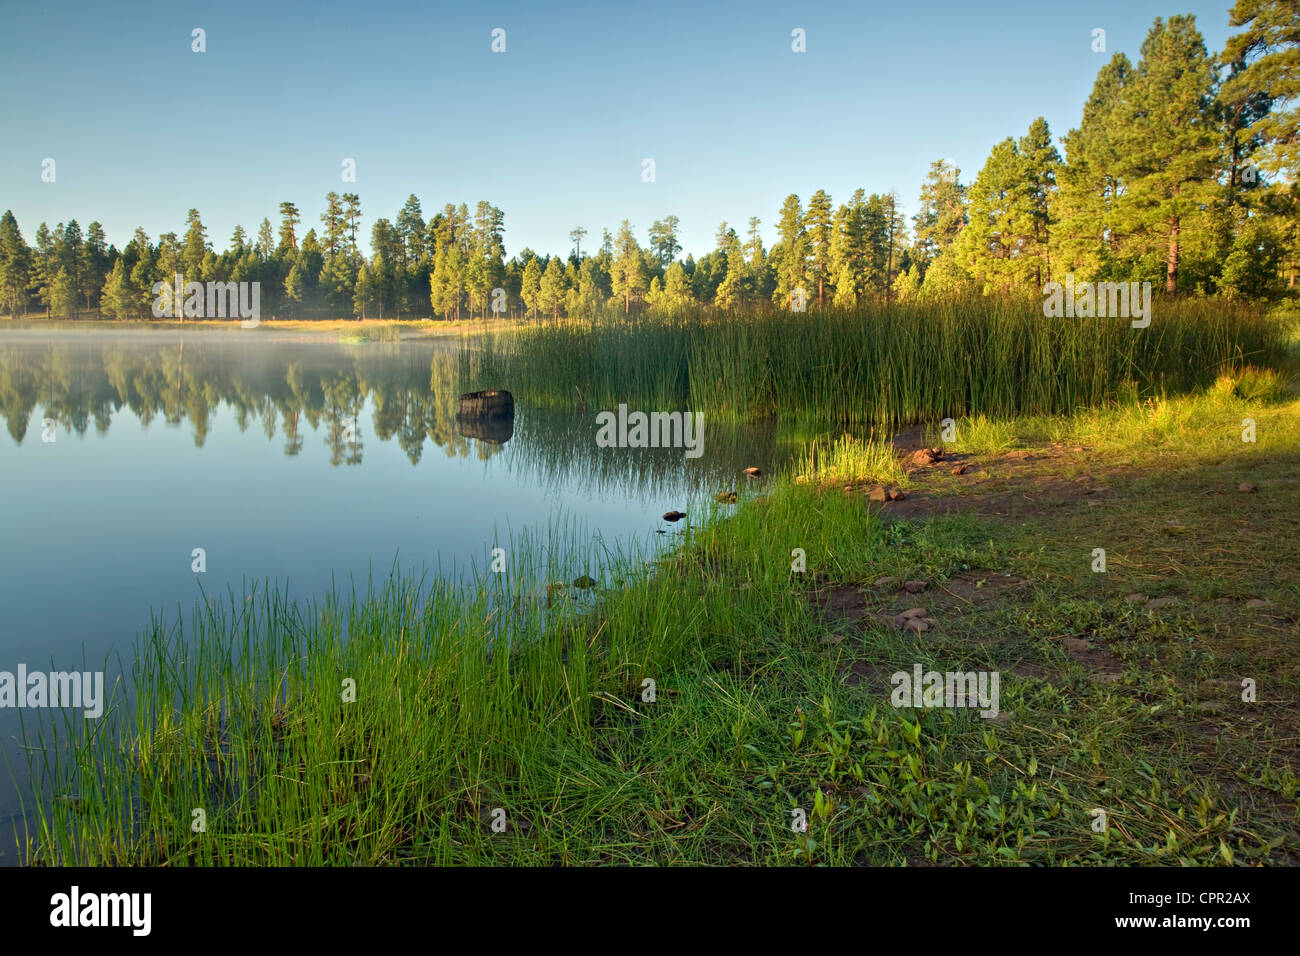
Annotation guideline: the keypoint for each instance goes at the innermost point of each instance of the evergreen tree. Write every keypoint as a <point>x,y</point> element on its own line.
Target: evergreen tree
<point>942,212</point>
<point>628,274</point>
<point>820,234</point>
<point>552,289</point>
<point>15,265</point>
<point>289,218</point>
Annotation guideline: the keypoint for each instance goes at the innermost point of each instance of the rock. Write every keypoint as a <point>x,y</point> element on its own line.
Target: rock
<point>895,494</point>
<point>877,494</point>
<point>1247,488</point>
<point>914,587</point>
<point>726,497</point>
<point>674,516</point>
<point>915,626</point>
<point>586,582</point>
<point>1135,598</point>
<point>1258,603</point>
<point>1156,604</point>
<point>885,583</point>
<point>924,457</point>
<point>493,403</point>
<point>913,612</point>
<point>753,472</point>
<point>959,469</point>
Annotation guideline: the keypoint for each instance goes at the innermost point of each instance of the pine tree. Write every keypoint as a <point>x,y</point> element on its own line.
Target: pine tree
<point>627,273</point>
<point>942,212</point>
<point>334,222</point>
<point>790,254</point>
<point>15,265</point>
<point>1270,44</point>
<point>1168,142</point>
<point>119,297</point>
<point>820,223</point>
<point>663,240</point>
<point>1089,241</point>
<point>289,217</point>
<point>552,289</point>
<point>531,286</point>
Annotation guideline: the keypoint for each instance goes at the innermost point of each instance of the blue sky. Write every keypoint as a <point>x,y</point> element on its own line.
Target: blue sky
<point>553,131</point>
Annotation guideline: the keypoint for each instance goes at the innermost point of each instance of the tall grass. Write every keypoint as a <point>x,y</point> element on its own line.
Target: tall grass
<point>885,365</point>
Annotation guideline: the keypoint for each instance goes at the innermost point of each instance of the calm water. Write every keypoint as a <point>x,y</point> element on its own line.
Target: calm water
<point>299,460</point>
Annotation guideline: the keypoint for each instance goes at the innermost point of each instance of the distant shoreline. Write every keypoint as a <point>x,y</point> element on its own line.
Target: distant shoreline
<point>420,328</point>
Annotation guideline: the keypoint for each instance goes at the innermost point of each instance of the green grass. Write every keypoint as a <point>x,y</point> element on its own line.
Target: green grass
<point>875,365</point>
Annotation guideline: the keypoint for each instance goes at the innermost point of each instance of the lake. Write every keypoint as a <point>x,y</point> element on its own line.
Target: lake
<point>294,458</point>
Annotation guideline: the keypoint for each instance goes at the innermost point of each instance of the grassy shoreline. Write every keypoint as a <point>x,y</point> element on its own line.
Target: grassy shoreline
<point>772,687</point>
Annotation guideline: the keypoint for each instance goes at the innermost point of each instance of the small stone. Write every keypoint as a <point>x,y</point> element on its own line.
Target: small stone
<point>1247,488</point>
<point>1135,598</point>
<point>877,494</point>
<point>914,587</point>
<point>1258,603</point>
<point>1156,604</point>
<point>885,583</point>
<point>959,469</point>
<point>913,612</point>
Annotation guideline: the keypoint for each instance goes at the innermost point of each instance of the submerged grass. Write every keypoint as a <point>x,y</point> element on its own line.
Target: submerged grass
<point>875,365</point>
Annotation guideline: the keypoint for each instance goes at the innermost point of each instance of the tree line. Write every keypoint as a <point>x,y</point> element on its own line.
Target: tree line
<point>1182,172</point>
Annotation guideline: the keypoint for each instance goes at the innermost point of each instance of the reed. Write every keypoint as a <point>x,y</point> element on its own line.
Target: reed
<point>885,365</point>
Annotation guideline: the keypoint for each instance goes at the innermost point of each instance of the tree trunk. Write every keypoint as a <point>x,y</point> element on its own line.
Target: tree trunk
<point>1171,270</point>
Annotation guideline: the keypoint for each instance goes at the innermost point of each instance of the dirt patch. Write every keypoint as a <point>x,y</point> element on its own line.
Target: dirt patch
<point>891,602</point>
<point>1101,664</point>
<point>1015,485</point>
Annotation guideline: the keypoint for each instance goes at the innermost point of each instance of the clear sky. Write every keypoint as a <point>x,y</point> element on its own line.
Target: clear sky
<point>553,130</point>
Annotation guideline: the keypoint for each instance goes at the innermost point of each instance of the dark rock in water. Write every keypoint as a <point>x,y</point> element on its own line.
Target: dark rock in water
<point>674,515</point>
<point>726,497</point>
<point>494,403</point>
<point>586,582</point>
<point>488,416</point>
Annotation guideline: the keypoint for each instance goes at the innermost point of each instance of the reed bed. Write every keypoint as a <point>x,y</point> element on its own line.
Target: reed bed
<point>887,365</point>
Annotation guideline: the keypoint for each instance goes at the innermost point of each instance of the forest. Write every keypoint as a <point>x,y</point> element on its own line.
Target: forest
<point>1181,173</point>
